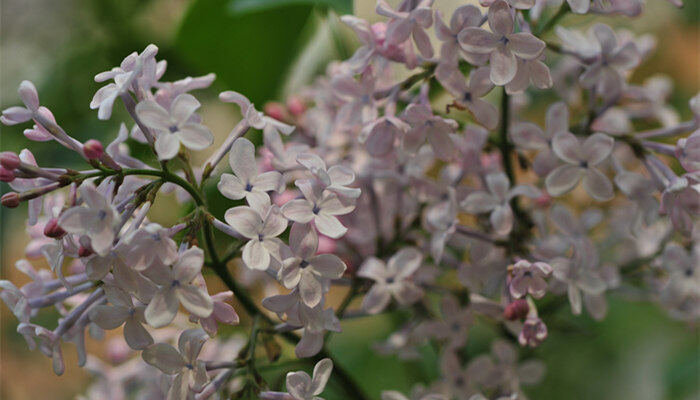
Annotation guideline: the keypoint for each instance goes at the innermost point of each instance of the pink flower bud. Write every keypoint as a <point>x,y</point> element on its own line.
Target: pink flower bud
<point>84,252</point>
<point>9,160</point>
<point>534,332</point>
<point>6,175</point>
<point>53,230</point>
<point>10,200</point>
<point>516,310</point>
<point>276,110</point>
<point>296,106</point>
<point>544,201</point>
<point>326,245</point>
<point>93,149</point>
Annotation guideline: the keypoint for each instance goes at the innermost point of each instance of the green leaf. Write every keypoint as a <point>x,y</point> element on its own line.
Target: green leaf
<point>249,44</point>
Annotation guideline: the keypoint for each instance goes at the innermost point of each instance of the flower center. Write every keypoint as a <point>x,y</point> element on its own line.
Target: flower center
<point>173,129</point>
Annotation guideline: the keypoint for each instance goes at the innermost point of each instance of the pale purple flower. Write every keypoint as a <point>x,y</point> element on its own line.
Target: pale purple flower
<point>497,201</point>
<point>455,324</point>
<point>30,98</point>
<point>404,24</point>
<point>529,136</point>
<point>96,219</point>
<point>321,208</point>
<point>463,17</point>
<point>21,184</point>
<point>359,107</point>
<point>468,94</point>
<point>391,279</point>
<point>641,191</point>
<point>253,117</point>
<point>174,126</point>
<point>503,46</point>
<point>261,230</point>
<point>176,288</point>
<point>301,386</point>
<point>306,269</point>
<point>688,152</point>
<point>581,160</point>
<point>533,72</point>
<point>223,313</point>
<point>247,181</point>
<point>425,125</point>
<point>190,373</point>
<point>534,332</point>
<point>528,278</point>
<point>136,71</point>
<point>380,135</point>
<point>517,4</point>
<point>680,200</point>
<point>148,244</point>
<point>335,179</point>
<point>122,311</point>
<point>578,280</point>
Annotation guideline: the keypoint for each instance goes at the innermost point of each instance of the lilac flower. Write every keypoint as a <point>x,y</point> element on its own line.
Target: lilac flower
<point>529,278</point>
<point>301,386</point>
<point>190,373</point>
<point>679,201</point>
<point>136,68</point>
<point>531,137</point>
<point>261,232</point>
<point>222,313</point>
<point>21,185</point>
<point>580,280</point>
<point>580,161</point>
<point>404,24</point>
<point>321,208</point>
<point>306,269</point>
<point>359,107</point>
<point>426,125</point>
<point>468,94</point>
<point>253,117</point>
<point>394,395</point>
<point>534,332</point>
<point>175,126</point>
<point>454,327</point>
<point>176,288</point>
<point>392,279</point>
<point>497,201</point>
<point>122,311</point>
<point>148,244</point>
<point>463,17</point>
<point>503,46</point>
<point>517,4</point>
<point>96,219</point>
<point>247,182</point>
<point>379,136</point>
<point>335,179</point>
<point>30,98</point>
<point>533,72</point>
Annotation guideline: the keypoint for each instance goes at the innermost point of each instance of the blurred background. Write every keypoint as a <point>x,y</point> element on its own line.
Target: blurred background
<point>267,49</point>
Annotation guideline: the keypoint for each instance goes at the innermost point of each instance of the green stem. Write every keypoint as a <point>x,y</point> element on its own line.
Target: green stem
<point>563,10</point>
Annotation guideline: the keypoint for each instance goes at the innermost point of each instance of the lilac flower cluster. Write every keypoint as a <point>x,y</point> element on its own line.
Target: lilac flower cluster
<point>392,178</point>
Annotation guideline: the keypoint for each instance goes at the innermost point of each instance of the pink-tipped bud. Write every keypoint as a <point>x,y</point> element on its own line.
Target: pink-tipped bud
<point>10,200</point>
<point>84,252</point>
<point>516,310</point>
<point>544,201</point>
<point>93,149</point>
<point>52,230</point>
<point>296,106</point>
<point>9,160</point>
<point>276,110</point>
<point>6,175</point>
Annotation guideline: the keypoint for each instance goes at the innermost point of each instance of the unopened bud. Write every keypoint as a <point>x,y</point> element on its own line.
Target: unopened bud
<point>9,160</point>
<point>53,230</point>
<point>296,106</point>
<point>516,310</point>
<point>6,175</point>
<point>10,200</point>
<point>93,149</point>
<point>276,110</point>
<point>84,251</point>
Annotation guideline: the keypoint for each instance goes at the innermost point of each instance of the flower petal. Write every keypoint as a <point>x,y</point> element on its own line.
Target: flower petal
<point>563,179</point>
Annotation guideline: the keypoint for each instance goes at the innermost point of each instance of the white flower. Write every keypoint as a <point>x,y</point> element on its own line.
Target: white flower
<point>391,279</point>
<point>190,373</point>
<point>322,208</point>
<point>247,182</point>
<point>176,288</point>
<point>303,387</point>
<point>497,201</point>
<point>404,24</point>
<point>175,125</point>
<point>306,269</point>
<point>30,98</point>
<point>96,219</point>
<point>122,311</point>
<point>262,233</point>
<point>580,162</point>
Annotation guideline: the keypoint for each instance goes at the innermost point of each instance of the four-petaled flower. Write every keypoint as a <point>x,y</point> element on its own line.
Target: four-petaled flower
<point>301,386</point>
<point>261,232</point>
<point>176,125</point>
<point>392,279</point>
<point>122,310</point>
<point>529,278</point>
<point>319,207</point>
